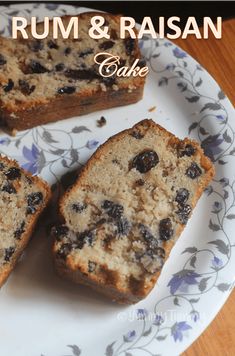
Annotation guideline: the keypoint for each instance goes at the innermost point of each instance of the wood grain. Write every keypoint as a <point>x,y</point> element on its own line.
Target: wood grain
<point>218,58</point>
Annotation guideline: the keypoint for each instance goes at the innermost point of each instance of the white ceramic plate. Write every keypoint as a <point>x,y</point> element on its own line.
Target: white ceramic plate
<point>44,315</point>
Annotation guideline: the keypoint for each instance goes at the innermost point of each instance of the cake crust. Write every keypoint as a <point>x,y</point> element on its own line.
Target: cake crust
<point>67,107</point>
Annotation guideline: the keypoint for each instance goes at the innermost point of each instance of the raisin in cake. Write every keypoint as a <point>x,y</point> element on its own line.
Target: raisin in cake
<point>127,208</point>
<point>22,199</point>
<point>52,79</point>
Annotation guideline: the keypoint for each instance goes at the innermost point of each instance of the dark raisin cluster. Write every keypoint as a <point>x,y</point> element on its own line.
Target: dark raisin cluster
<point>113,210</point>
<point>148,237</point>
<point>8,253</point>
<point>184,209</point>
<point>109,81</point>
<point>35,46</point>
<point>123,226</point>
<point>52,44</point>
<point>33,200</point>
<point>59,67</point>
<point>59,232</point>
<point>193,171</point>
<point>79,240</point>
<point>116,211</point>
<point>152,260</point>
<point>183,212</point>
<point>182,196</point>
<point>185,150</point>
<point>9,86</point>
<point>78,207</point>
<point>142,63</point>
<point>67,51</point>
<point>91,266</point>
<point>86,52</point>
<point>25,88</point>
<point>165,229</point>
<point>9,188</point>
<point>137,134</point>
<point>106,45</point>
<point>2,60</point>
<point>145,161</point>
<point>156,251</point>
<point>19,231</point>
<point>66,90</point>
<point>64,250</point>
<point>85,237</point>
<point>13,173</point>
<point>158,256</point>
<point>36,67</point>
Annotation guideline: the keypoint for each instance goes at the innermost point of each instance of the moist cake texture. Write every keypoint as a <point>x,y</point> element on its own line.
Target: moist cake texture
<point>22,199</point>
<point>127,209</point>
<point>52,79</point>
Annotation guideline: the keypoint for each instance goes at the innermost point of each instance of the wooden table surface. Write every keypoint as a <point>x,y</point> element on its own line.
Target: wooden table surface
<point>218,58</point>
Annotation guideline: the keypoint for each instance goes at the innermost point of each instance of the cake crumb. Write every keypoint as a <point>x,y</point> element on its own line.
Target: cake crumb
<point>115,87</point>
<point>101,122</point>
<point>103,87</point>
<point>153,108</point>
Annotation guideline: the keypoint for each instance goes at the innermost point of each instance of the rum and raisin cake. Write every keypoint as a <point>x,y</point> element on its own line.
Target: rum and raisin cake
<point>52,79</point>
<point>22,199</point>
<point>127,209</point>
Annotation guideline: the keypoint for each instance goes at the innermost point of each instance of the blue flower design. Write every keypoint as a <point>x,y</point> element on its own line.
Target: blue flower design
<point>183,287</point>
<point>211,146</point>
<point>167,44</point>
<point>195,315</point>
<point>92,144</point>
<point>220,117</point>
<point>130,336</point>
<point>142,313</point>
<point>158,320</point>
<point>178,329</point>
<point>217,263</point>
<point>185,276</point>
<point>5,141</point>
<point>31,156</point>
<point>178,53</point>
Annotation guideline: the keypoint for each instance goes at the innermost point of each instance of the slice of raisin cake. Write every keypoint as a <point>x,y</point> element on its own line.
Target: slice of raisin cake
<point>22,199</point>
<point>127,208</point>
<point>52,79</point>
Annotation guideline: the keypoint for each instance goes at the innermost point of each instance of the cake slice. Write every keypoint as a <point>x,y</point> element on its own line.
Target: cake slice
<point>22,199</point>
<point>52,79</point>
<point>127,209</point>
